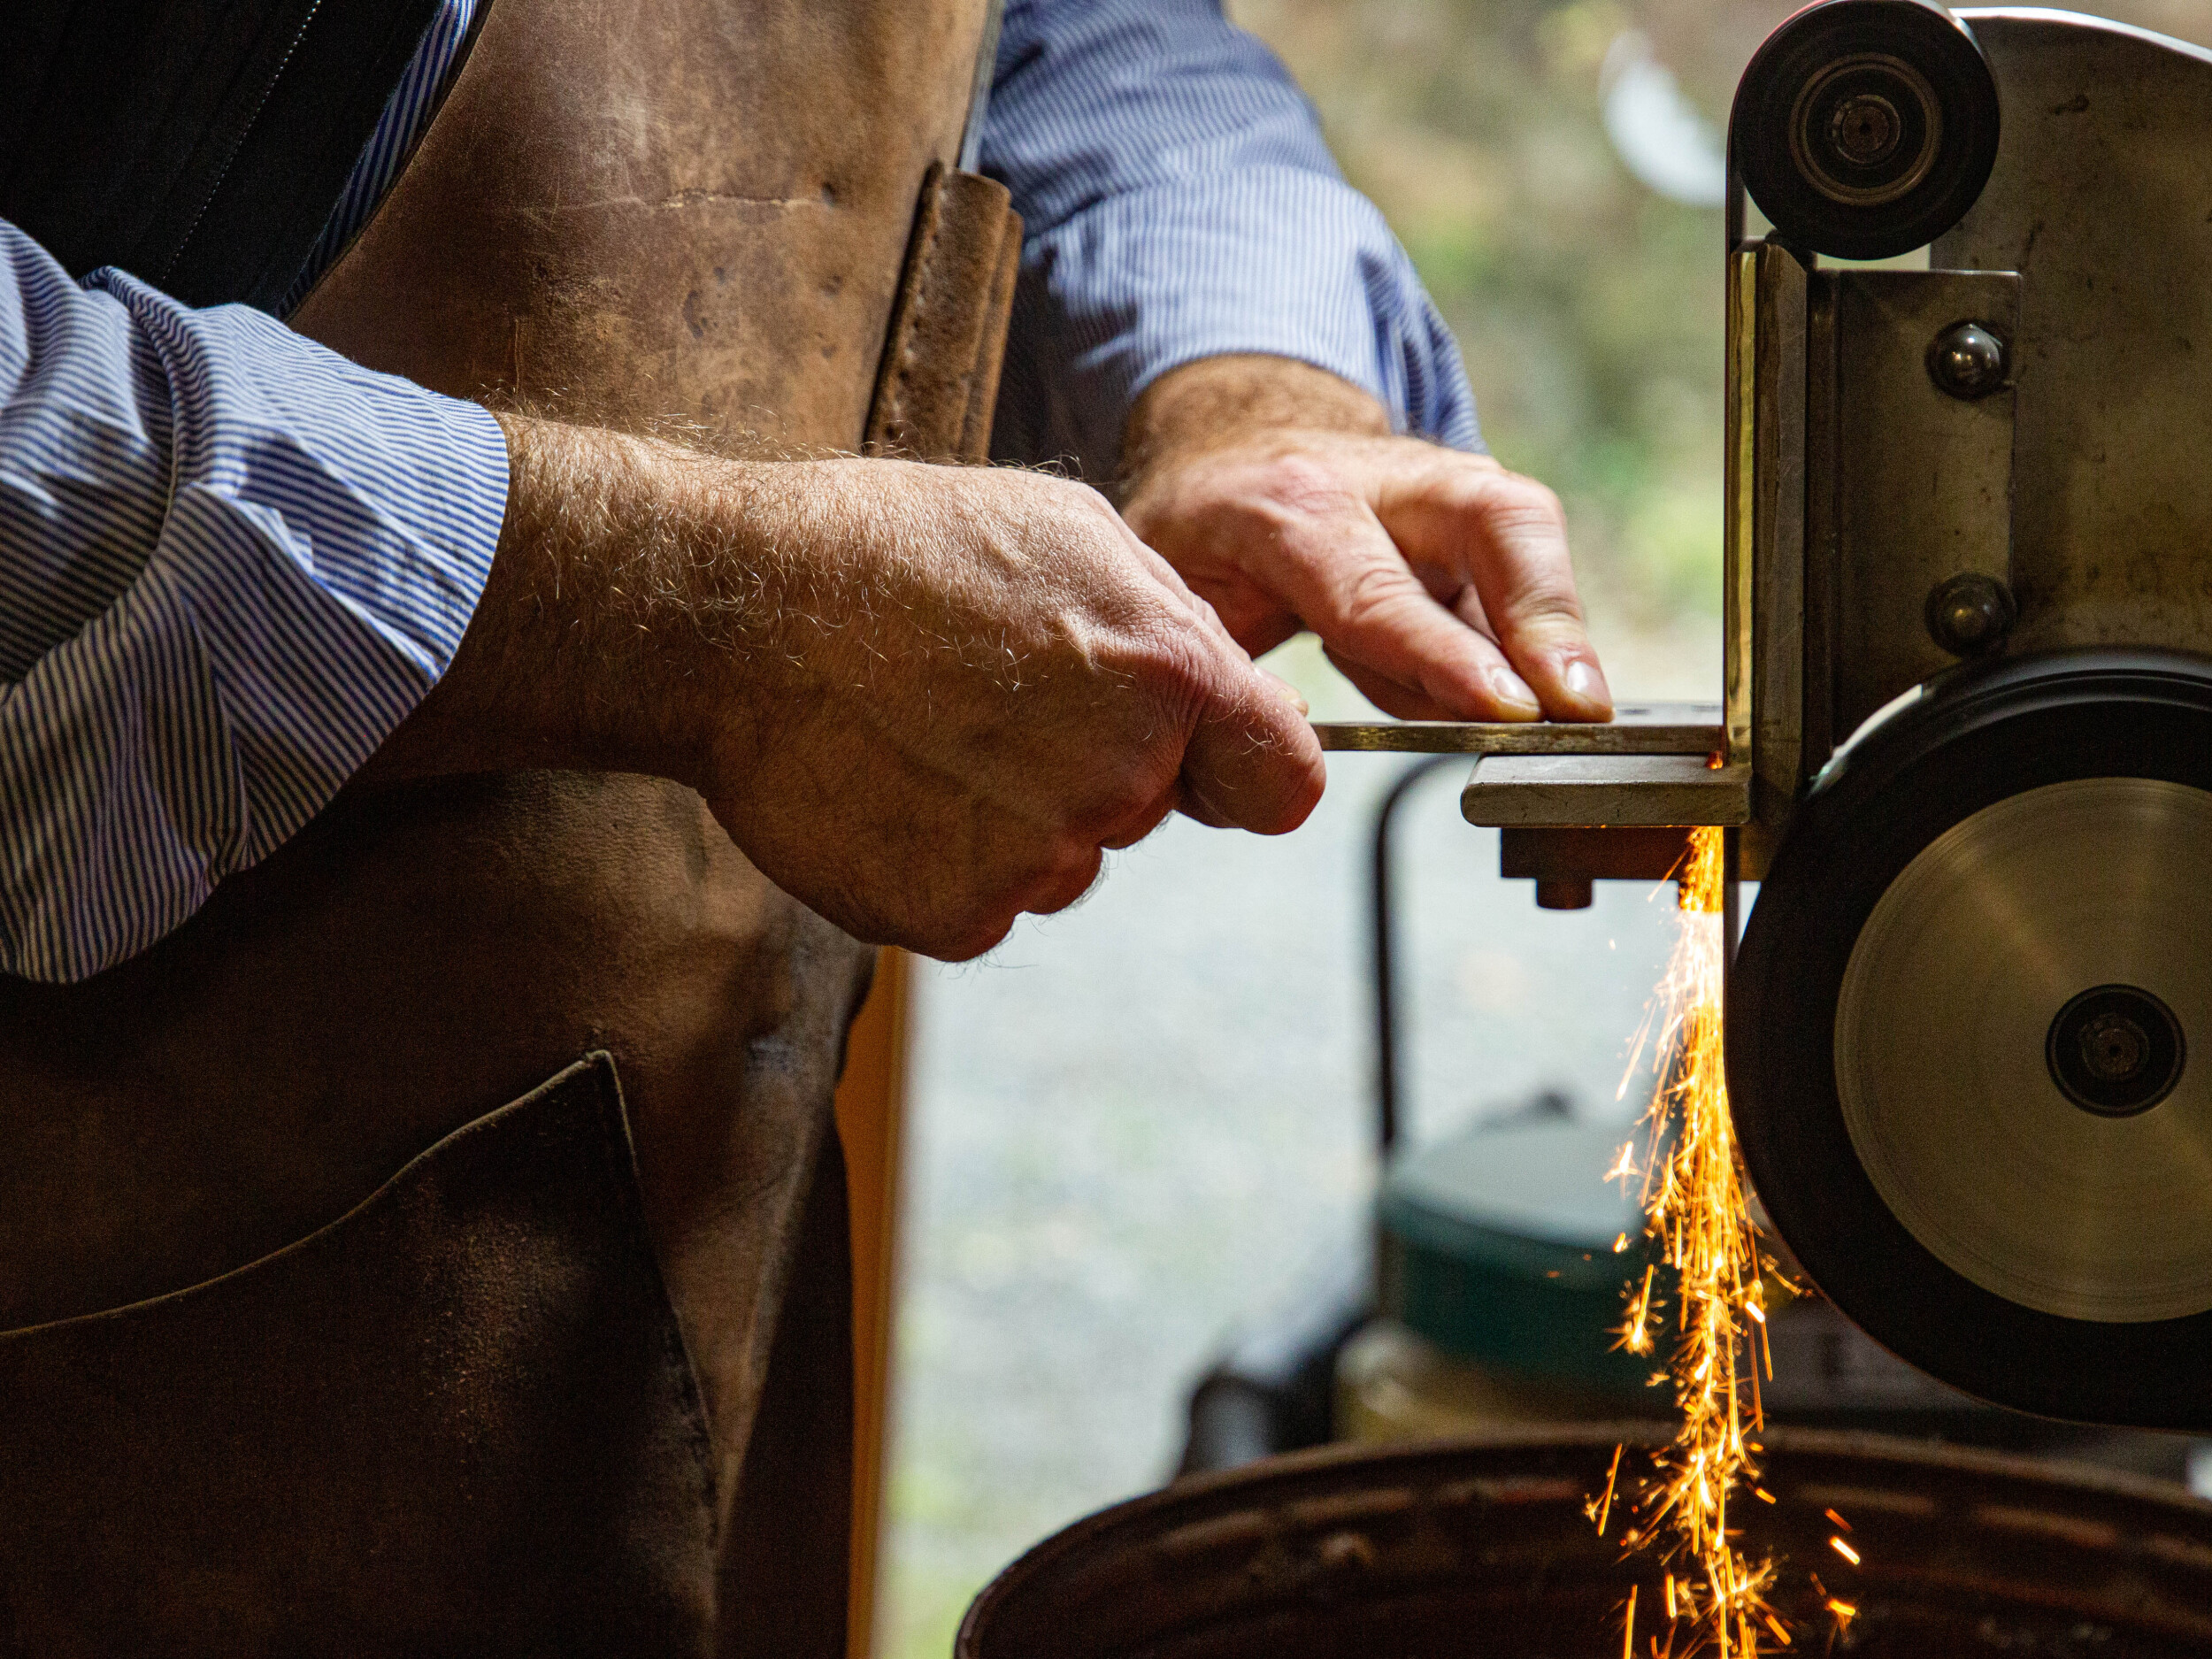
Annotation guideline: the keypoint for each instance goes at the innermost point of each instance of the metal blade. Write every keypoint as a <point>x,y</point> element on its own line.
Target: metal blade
<point>1647,728</point>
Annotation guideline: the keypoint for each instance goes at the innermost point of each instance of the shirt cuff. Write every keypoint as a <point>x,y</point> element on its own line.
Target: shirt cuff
<point>1275,260</point>
<point>326,537</point>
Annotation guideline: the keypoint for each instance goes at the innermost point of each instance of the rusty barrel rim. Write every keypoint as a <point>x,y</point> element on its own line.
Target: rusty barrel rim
<point>2114,1528</point>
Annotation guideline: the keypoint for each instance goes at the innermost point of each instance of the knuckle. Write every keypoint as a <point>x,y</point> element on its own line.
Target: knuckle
<point>1082,503</point>
<point>1054,869</point>
<point>979,930</point>
<point>978,941</point>
<point>1371,591</point>
<point>1075,876</point>
<point>1526,500</point>
<point>1073,495</point>
<point>1041,498</point>
<point>1174,664</point>
<point>1305,485</point>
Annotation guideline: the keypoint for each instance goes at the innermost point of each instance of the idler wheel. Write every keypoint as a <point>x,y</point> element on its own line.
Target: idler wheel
<point>1969,1035</point>
<point>1865,128</point>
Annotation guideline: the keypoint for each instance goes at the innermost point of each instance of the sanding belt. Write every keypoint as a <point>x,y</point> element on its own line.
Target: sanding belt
<point>315,1347</point>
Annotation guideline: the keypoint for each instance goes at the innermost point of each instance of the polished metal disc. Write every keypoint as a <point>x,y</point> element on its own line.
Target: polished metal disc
<point>2023,1049</point>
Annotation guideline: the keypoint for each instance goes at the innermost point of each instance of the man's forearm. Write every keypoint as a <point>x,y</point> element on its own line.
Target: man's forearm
<point>620,558</point>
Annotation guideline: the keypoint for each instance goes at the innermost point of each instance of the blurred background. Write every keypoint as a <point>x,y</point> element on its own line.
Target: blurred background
<point>1138,1126</point>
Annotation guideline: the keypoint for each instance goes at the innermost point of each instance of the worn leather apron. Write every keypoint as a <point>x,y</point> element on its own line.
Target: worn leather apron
<point>313,1344</point>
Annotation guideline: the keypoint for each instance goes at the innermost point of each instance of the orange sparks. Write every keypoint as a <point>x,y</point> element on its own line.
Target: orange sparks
<point>1842,1525</point>
<point>1695,1208</point>
<point>1635,1331</point>
<point>1628,1626</point>
<point>1845,1612</point>
<point>1845,1550</point>
<point>1598,1510</point>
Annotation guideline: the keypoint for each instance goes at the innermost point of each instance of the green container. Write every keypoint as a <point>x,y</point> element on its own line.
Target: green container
<point>1497,1247</point>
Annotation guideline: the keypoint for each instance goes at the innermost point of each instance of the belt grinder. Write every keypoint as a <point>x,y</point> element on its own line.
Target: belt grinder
<point>1965,731</point>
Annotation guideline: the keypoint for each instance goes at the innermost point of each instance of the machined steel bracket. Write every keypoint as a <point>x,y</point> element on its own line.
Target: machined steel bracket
<point>1911,484</point>
<point>1541,791</point>
<point>2100,201</point>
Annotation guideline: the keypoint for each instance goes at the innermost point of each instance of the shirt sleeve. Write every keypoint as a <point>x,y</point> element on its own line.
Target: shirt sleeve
<point>1180,203</point>
<point>231,562</point>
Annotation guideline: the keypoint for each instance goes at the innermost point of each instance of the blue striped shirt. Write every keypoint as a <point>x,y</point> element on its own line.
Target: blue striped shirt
<point>1179,202</point>
<point>231,561</point>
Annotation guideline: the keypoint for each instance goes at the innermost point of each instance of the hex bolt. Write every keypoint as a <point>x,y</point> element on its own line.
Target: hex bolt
<point>1967,361</point>
<point>1970,614</point>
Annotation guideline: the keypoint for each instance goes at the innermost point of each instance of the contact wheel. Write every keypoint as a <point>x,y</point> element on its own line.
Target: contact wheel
<point>1969,1036</point>
<point>1865,128</point>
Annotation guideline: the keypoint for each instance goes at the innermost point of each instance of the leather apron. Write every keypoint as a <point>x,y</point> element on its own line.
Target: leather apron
<point>439,1244</point>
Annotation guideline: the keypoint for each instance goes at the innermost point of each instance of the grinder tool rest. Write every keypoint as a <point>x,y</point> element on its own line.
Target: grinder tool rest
<point>1965,729</point>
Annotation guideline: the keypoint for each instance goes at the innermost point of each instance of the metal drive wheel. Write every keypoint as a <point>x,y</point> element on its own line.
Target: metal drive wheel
<point>1969,1036</point>
<point>1864,129</point>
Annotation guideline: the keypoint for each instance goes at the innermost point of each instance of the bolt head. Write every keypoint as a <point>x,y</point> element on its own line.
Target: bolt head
<point>1967,361</point>
<point>1970,614</point>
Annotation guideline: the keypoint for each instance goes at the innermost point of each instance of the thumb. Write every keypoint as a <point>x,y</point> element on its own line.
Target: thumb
<point>1252,761</point>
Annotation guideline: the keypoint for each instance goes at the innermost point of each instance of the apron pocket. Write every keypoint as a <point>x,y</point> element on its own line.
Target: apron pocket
<point>460,1419</point>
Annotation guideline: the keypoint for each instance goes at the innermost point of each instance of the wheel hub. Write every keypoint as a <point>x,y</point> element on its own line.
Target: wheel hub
<point>2116,1050</point>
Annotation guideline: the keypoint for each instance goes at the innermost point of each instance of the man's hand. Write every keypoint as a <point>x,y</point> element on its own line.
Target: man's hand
<point>1438,581</point>
<point>922,699</point>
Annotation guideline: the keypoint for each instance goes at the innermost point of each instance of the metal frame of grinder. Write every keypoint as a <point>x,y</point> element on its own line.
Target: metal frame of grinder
<point>1966,719</point>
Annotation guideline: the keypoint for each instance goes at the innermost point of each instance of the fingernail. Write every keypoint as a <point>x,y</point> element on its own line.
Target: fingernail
<point>1585,681</point>
<point>1291,694</point>
<point>1512,688</point>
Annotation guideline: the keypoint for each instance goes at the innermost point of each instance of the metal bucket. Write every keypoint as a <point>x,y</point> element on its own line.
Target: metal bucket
<point>1480,1550</point>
